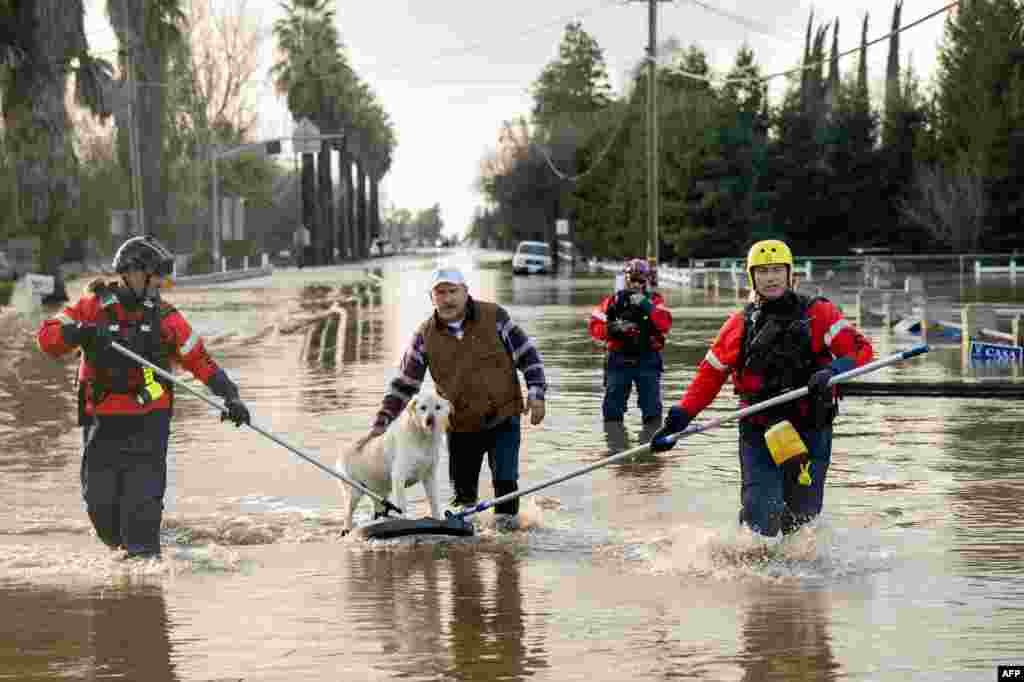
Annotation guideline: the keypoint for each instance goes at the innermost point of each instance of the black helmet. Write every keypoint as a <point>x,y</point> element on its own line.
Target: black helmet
<point>145,254</point>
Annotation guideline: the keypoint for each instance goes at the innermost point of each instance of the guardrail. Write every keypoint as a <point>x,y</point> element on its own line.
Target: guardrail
<point>981,270</point>
<point>224,274</point>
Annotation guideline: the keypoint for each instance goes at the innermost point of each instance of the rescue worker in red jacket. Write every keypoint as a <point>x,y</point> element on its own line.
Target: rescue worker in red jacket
<point>124,409</point>
<point>633,322</point>
<point>779,342</point>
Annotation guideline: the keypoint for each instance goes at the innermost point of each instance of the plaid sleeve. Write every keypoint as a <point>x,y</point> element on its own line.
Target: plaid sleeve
<point>406,384</point>
<point>524,355</point>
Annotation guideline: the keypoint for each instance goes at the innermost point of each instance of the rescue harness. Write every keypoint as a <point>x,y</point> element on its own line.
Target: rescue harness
<point>776,346</point>
<point>117,374</point>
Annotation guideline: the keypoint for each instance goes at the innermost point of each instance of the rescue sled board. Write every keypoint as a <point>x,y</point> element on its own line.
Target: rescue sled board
<point>396,528</point>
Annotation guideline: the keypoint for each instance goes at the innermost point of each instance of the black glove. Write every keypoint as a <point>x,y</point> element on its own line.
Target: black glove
<point>817,386</point>
<point>235,411</point>
<point>92,338</point>
<point>677,421</point>
<point>621,328</point>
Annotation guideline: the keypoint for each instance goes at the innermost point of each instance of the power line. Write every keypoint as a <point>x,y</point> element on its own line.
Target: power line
<point>761,79</point>
<point>818,63</point>
<point>600,157</point>
<point>472,48</point>
<point>743,21</point>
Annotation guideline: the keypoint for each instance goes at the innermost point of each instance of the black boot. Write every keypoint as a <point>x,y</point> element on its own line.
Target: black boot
<point>106,520</point>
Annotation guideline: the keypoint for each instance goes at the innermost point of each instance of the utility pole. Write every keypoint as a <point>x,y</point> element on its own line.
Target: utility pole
<point>133,138</point>
<point>652,133</point>
<point>653,185</point>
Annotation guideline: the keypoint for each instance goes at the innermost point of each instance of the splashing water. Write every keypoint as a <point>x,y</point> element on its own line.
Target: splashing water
<point>816,552</point>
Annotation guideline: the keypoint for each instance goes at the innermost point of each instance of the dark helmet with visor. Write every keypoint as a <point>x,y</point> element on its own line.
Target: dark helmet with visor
<point>144,254</point>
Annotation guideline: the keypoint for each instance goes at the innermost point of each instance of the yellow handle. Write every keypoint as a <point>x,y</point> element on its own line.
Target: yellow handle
<point>805,475</point>
<point>152,387</point>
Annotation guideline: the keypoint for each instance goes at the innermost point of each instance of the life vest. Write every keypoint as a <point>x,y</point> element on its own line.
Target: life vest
<point>114,372</point>
<point>776,347</point>
<point>645,337</point>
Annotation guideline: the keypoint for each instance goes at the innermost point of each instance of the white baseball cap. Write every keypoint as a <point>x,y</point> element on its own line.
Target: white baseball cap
<point>446,276</point>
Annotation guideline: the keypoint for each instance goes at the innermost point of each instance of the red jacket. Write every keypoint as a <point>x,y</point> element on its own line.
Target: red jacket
<point>183,346</point>
<point>829,331</point>
<point>661,318</point>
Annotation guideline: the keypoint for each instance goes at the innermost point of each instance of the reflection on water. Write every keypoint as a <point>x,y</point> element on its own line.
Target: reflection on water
<point>636,570</point>
<point>786,637</point>
<point>102,633</point>
<point>443,611</point>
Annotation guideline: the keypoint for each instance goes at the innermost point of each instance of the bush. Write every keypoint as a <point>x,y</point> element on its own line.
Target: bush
<point>201,263</point>
<point>6,289</point>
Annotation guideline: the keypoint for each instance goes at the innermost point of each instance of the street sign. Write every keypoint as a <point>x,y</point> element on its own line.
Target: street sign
<point>561,227</point>
<point>996,353</point>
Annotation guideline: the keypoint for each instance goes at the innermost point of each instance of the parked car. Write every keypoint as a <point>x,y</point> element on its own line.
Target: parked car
<point>532,258</point>
<point>382,247</point>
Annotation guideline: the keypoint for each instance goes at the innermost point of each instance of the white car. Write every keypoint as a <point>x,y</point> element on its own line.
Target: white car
<point>531,258</point>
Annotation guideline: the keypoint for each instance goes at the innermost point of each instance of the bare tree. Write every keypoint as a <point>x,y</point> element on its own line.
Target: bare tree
<point>950,203</point>
<point>225,44</point>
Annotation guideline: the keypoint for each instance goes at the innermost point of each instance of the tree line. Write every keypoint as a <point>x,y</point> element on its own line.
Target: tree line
<point>925,169</point>
<point>180,72</point>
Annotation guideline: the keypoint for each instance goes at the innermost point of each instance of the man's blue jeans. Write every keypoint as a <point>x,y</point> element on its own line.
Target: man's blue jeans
<point>624,371</point>
<point>466,457</point>
<point>772,499</point>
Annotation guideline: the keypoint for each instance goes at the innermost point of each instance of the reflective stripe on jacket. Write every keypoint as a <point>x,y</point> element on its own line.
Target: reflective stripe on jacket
<point>829,330</point>
<point>182,344</point>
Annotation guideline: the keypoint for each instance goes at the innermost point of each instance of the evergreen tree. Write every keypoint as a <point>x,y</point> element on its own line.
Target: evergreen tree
<point>978,105</point>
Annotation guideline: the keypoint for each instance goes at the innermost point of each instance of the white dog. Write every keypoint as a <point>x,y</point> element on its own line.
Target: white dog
<point>409,452</point>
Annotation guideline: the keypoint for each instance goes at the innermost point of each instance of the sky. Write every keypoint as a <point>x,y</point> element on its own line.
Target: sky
<point>450,72</point>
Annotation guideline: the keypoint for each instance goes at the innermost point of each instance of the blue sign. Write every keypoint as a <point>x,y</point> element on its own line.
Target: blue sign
<point>994,352</point>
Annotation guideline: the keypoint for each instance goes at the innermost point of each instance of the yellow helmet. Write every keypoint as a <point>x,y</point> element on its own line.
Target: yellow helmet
<point>768,252</point>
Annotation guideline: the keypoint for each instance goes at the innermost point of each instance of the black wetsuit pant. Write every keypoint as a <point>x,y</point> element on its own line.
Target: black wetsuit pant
<point>124,477</point>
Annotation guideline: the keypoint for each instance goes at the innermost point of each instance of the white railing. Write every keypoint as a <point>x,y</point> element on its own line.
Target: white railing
<point>703,272</point>
<point>980,270</point>
<point>223,274</point>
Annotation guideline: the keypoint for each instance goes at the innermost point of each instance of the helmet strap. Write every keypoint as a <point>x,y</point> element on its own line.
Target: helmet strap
<point>753,284</point>
<point>140,296</point>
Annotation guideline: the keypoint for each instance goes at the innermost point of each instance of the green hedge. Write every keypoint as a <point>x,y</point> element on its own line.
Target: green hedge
<point>238,248</point>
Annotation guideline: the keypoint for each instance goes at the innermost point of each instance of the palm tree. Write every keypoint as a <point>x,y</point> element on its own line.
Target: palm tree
<point>316,79</point>
<point>41,44</point>
<point>378,160</point>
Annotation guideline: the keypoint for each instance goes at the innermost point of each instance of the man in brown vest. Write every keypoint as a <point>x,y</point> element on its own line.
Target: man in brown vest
<point>473,350</point>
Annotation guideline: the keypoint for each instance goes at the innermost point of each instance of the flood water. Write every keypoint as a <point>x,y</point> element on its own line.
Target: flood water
<point>636,571</point>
